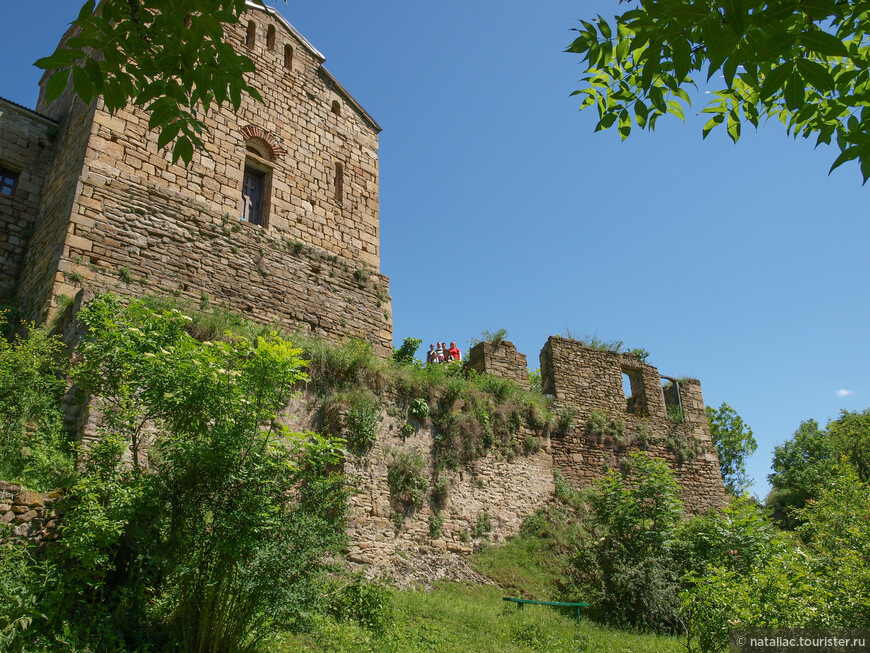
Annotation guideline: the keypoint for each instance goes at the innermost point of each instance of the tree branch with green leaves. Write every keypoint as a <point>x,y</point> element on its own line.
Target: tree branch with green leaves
<point>804,62</point>
<point>170,57</point>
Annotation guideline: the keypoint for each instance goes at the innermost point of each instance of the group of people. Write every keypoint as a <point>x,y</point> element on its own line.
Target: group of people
<point>443,354</point>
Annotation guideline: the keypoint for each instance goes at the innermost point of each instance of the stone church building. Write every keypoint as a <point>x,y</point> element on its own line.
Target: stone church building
<point>277,218</point>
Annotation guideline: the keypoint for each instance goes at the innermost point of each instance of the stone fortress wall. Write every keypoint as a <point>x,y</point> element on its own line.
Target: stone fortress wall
<point>116,214</point>
<point>98,207</point>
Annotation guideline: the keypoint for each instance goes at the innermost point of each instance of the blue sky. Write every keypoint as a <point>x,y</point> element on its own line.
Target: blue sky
<point>743,265</point>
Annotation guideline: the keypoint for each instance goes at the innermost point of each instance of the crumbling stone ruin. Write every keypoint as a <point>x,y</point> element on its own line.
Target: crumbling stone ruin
<point>278,219</point>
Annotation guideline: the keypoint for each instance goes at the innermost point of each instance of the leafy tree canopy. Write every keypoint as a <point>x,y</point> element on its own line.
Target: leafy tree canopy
<point>734,443</point>
<point>803,62</point>
<point>167,56</point>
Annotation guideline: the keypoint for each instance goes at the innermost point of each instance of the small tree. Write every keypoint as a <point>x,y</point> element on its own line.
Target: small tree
<point>228,531</point>
<point>734,444</point>
<point>627,563</point>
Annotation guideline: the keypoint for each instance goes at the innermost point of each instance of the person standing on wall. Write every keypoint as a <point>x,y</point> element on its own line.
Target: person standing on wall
<point>454,353</point>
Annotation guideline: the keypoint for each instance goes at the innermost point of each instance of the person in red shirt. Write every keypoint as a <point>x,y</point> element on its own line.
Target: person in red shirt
<point>454,352</point>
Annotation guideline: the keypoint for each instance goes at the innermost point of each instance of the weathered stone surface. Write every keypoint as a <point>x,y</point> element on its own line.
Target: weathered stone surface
<point>31,499</point>
<point>500,359</point>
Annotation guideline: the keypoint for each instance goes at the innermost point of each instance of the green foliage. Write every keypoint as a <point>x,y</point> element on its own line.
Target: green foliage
<point>125,275</point>
<point>473,413</point>
<point>208,550</point>
<point>405,353</point>
<point>483,526</point>
<point>436,521</point>
<point>851,435</point>
<point>440,490</point>
<point>354,415</point>
<point>405,479</point>
<point>356,599</point>
<point>768,582</point>
<point>594,341</point>
<point>676,415</point>
<point>802,67</point>
<point>644,436</point>
<point>642,354</point>
<point>34,447</point>
<point>801,465</point>
<point>130,52</point>
<point>492,337</point>
<point>734,444</point>
<point>625,567</point>
<point>599,426</point>
<point>536,382</point>
<point>419,409</point>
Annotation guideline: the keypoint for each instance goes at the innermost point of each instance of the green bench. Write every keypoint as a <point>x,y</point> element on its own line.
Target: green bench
<point>521,602</point>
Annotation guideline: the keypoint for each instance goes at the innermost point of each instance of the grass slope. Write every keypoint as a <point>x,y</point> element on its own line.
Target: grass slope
<point>457,618</point>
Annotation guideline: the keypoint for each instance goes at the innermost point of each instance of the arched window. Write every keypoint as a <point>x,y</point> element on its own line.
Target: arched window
<point>288,57</point>
<point>270,37</point>
<point>339,182</point>
<point>336,107</point>
<point>251,38</point>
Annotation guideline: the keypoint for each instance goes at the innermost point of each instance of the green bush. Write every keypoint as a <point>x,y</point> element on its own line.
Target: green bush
<point>354,415</point>
<point>436,521</point>
<point>207,550</point>
<point>483,526</point>
<point>34,448</point>
<point>356,599</point>
<point>626,566</point>
<point>404,355</point>
<point>419,409</point>
<point>405,479</point>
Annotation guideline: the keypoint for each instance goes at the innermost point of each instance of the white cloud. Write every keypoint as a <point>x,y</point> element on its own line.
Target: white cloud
<point>844,393</point>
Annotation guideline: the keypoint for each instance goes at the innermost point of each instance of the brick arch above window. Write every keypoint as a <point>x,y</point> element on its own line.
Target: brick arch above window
<point>273,144</point>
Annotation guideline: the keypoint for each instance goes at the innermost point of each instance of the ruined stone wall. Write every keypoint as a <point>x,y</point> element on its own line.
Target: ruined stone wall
<point>505,490</point>
<point>500,359</point>
<point>586,381</point>
<point>33,516</point>
<point>26,148</point>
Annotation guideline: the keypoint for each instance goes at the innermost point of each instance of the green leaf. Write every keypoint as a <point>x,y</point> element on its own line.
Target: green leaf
<point>168,134</point>
<point>825,44</point>
<point>734,126</point>
<point>774,81</point>
<point>56,85</point>
<point>82,85</point>
<point>816,74</point>
<point>794,92</point>
<point>718,119</point>
<point>183,150</point>
<point>849,154</point>
<point>604,28</point>
<point>734,15</point>
<point>624,124</point>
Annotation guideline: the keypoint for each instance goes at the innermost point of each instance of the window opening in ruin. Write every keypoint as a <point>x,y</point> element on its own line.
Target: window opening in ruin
<point>288,57</point>
<point>336,107</point>
<point>253,188</point>
<point>339,182</point>
<point>251,38</point>
<point>671,393</point>
<point>632,388</point>
<point>270,37</point>
<point>8,180</point>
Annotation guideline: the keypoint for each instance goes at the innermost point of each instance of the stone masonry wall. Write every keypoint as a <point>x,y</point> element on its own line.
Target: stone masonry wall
<point>40,279</point>
<point>585,380</point>
<point>33,516</point>
<point>26,147</point>
<point>500,359</point>
<point>138,223</point>
<point>150,239</point>
<point>505,490</point>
